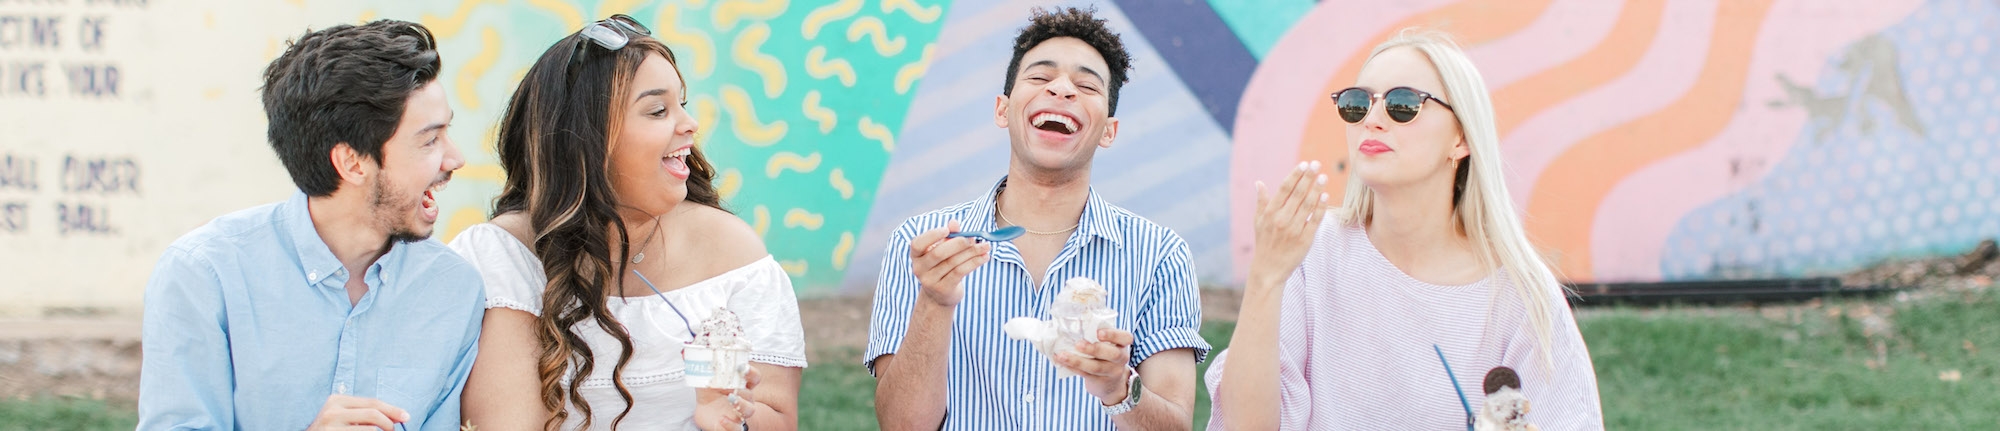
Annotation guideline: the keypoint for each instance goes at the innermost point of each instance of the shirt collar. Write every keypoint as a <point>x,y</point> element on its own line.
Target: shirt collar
<point>314,256</point>
<point>1099,220</point>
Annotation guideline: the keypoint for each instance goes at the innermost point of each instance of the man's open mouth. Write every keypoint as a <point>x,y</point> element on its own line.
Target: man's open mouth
<point>1054,122</point>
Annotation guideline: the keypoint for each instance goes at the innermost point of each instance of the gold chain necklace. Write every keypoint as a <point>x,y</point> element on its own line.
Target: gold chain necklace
<point>1003,218</point>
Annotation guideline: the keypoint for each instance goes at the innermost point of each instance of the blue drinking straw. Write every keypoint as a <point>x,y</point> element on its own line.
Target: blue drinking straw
<point>677,310</point>
<point>1455,387</point>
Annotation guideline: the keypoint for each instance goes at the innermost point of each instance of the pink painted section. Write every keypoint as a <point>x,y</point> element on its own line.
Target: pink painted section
<point>1797,40</point>
<point>1568,29</point>
<point>1270,120</point>
<point>1667,70</point>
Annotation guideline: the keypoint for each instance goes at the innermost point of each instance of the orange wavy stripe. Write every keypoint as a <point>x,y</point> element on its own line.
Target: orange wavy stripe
<point>1638,23</point>
<point>1564,205</point>
<point>1470,22</point>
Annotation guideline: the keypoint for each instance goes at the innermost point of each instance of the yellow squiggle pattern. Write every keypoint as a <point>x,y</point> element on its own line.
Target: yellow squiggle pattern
<point>799,217</point>
<point>841,250</point>
<point>907,76</point>
<point>827,14</point>
<point>446,26</point>
<point>688,45</point>
<point>704,114</point>
<point>819,67</point>
<point>838,179</point>
<point>731,182</point>
<point>729,12</point>
<point>794,268</point>
<point>878,33</point>
<point>461,219</point>
<point>760,220</point>
<point>569,15</point>
<point>744,50</point>
<point>873,130</point>
<point>743,119</point>
<point>921,13</point>
<point>468,75</point>
<point>821,114</point>
<point>783,161</point>
<point>481,172</point>
<point>609,7</point>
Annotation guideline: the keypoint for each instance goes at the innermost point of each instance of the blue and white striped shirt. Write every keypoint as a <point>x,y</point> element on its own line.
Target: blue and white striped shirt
<point>1000,383</point>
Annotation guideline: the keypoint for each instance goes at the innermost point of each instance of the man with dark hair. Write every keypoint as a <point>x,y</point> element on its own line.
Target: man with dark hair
<point>936,344</point>
<point>330,310</point>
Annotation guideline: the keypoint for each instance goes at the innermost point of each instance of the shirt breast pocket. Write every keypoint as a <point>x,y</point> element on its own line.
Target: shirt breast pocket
<point>410,389</point>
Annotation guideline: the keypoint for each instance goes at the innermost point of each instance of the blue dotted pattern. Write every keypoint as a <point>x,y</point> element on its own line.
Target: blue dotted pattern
<point>1858,197</point>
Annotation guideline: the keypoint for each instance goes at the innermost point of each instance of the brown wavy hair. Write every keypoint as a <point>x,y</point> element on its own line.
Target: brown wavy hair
<point>553,144</point>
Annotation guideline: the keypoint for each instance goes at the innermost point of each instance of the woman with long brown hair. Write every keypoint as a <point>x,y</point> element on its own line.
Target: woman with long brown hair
<point>609,247</point>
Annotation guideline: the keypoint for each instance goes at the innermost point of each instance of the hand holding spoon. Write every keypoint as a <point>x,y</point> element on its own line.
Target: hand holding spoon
<point>997,235</point>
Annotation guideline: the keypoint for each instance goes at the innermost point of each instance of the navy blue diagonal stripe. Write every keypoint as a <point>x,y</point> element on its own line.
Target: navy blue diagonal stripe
<point>1200,47</point>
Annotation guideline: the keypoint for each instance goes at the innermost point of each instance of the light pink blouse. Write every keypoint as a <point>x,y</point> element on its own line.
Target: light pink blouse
<point>1355,337</point>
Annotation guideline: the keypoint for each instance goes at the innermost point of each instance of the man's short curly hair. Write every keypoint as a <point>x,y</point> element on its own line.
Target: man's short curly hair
<point>1082,24</point>
<point>344,84</point>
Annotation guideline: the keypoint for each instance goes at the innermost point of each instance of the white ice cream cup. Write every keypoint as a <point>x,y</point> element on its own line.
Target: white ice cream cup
<point>714,368</point>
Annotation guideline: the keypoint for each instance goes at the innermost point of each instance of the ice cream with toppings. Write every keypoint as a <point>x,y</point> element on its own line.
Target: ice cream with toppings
<point>719,356</point>
<point>1076,315</point>
<point>1506,408</point>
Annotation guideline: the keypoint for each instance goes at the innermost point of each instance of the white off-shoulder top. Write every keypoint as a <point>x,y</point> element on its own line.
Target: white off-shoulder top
<point>760,293</point>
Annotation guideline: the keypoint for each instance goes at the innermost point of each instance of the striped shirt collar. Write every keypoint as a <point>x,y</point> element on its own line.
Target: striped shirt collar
<point>1099,220</point>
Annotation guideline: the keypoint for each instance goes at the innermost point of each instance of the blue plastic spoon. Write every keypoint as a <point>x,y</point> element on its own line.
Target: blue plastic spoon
<point>997,235</point>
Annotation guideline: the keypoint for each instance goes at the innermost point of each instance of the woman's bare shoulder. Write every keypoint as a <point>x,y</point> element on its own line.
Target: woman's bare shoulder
<point>518,225</point>
<point>727,239</point>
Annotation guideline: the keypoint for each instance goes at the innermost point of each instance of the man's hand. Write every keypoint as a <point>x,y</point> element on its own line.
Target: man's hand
<point>941,263</point>
<point>1103,365</point>
<point>345,413</point>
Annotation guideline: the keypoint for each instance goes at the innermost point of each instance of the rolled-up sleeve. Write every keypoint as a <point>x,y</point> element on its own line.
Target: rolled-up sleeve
<point>1171,316</point>
<point>184,377</point>
<point>895,293</point>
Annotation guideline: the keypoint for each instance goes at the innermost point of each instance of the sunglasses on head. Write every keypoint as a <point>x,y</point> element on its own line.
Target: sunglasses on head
<point>611,33</point>
<point>424,36</point>
<point>428,43</point>
<point>1401,103</point>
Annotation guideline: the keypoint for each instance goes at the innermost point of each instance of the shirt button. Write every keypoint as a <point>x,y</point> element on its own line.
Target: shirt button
<point>312,275</point>
<point>1028,397</point>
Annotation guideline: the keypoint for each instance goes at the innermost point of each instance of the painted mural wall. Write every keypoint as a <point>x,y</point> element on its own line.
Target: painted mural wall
<point>1645,139</point>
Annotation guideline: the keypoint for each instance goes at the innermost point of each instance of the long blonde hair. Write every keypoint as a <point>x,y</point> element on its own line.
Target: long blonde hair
<point>1482,208</point>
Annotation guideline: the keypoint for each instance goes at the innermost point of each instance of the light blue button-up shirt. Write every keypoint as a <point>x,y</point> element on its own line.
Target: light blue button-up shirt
<point>999,383</point>
<point>248,327</point>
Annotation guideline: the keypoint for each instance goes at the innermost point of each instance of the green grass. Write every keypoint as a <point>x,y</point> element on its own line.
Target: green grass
<point>1670,368</point>
<point>838,394</point>
<point>65,414</point>
<point>1683,370</point>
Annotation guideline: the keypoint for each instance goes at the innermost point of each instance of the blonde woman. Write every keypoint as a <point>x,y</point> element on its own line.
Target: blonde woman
<point>1350,324</point>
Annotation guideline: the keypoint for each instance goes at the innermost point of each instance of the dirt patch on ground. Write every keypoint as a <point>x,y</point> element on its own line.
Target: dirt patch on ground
<point>94,359</point>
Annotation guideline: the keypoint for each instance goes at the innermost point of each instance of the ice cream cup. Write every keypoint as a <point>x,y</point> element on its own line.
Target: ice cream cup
<point>714,368</point>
